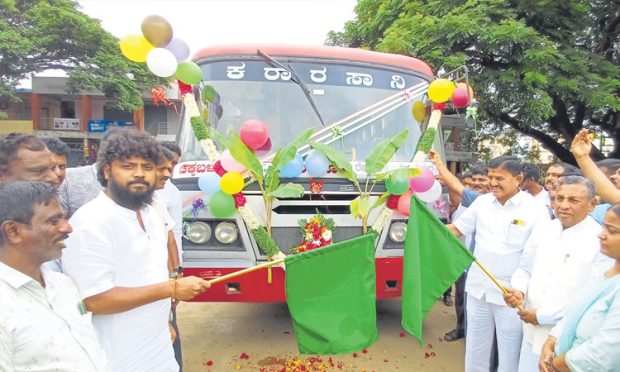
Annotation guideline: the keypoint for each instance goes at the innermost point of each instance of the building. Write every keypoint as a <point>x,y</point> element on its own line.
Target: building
<point>81,119</point>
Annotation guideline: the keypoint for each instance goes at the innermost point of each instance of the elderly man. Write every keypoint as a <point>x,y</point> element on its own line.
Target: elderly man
<point>26,158</point>
<point>118,257</point>
<point>564,251</point>
<point>503,221</point>
<point>43,323</point>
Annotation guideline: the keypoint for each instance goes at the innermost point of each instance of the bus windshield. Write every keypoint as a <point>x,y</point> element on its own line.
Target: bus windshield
<point>255,89</point>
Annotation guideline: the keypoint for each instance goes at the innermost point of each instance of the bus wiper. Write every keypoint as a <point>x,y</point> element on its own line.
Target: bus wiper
<point>296,79</point>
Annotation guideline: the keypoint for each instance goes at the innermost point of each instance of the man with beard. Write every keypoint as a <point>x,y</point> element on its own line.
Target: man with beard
<point>25,158</point>
<point>59,151</point>
<point>117,256</point>
<point>42,325</point>
<point>479,185</point>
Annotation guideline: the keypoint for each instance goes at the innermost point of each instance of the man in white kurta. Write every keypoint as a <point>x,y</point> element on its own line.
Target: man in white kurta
<point>503,221</point>
<point>564,251</point>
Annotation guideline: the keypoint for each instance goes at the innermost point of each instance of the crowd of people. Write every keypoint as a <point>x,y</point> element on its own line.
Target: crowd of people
<point>91,263</point>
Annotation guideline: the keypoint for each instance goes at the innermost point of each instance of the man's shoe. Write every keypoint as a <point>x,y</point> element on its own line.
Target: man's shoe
<point>453,335</point>
<point>447,300</point>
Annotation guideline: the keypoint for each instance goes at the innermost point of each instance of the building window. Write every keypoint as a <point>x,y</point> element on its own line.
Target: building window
<point>67,109</point>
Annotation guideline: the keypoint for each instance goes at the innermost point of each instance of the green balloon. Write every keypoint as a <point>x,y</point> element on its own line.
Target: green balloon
<point>222,205</point>
<point>188,72</point>
<point>397,185</point>
<point>208,93</point>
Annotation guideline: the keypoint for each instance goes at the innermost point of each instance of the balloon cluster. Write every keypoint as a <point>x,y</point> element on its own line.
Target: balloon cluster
<point>315,164</point>
<point>440,91</point>
<point>423,185</point>
<point>223,186</point>
<point>164,54</point>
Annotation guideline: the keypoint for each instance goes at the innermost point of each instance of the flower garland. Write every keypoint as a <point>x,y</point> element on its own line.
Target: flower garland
<point>263,239</point>
<point>317,233</point>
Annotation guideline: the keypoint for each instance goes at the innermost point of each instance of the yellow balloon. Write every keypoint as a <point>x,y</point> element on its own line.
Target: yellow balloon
<point>231,183</point>
<point>440,90</point>
<point>135,48</point>
<point>419,111</point>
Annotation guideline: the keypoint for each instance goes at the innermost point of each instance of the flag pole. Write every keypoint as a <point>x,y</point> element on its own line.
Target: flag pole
<point>245,271</point>
<point>501,287</point>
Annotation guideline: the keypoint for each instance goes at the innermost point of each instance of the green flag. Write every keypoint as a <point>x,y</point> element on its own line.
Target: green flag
<point>331,296</point>
<point>434,258</point>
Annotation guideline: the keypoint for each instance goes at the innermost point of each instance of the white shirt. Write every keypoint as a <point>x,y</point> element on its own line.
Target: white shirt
<point>171,196</point>
<point>543,196</point>
<point>562,263</point>
<point>43,329</point>
<point>108,248</point>
<point>501,233</point>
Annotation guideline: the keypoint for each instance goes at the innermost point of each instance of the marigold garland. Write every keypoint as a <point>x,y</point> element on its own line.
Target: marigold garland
<point>316,233</point>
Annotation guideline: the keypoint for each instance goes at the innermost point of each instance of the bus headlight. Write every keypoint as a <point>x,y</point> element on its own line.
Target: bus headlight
<point>199,232</point>
<point>226,232</point>
<point>398,231</point>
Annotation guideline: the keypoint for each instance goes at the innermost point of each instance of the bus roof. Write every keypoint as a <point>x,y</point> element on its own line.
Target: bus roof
<point>328,52</point>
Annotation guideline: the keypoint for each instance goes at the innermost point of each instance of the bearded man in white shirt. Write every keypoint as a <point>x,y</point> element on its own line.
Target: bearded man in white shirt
<point>503,221</point>
<point>118,258</point>
<point>43,323</point>
<point>565,253</point>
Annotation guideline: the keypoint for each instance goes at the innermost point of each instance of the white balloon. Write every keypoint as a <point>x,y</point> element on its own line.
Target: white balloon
<point>431,194</point>
<point>161,62</point>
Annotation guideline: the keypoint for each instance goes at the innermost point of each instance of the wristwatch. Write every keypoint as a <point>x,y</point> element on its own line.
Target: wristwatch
<point>178,271</point>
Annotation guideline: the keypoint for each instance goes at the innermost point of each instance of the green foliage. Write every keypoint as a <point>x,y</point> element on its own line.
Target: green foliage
<point>544,68</point>
<point>288,152</point>
<point>381,200</point>
<point>41,35</point>
<point>288,190</point>
<point>339,161</point>
<point>426,141</point>
<point>198,126</point>
<point>265,242</point>
<point>383,152</point>
<point>244,155</point>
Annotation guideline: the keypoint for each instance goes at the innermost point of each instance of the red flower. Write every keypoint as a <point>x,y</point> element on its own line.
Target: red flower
<point>392,201</point>
<point>402,334</point>
<point>217,168</point>
<point>365,351</point>
<point>239,200</point>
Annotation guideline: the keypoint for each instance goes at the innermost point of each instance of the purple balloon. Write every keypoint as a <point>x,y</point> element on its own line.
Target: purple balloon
<point>423,181</point>
<point>179,48</point>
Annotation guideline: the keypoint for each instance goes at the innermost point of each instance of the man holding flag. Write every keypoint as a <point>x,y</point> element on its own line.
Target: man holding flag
<point>503,221</point>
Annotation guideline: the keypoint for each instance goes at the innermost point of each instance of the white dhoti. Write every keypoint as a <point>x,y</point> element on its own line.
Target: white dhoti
<point>528,361</point>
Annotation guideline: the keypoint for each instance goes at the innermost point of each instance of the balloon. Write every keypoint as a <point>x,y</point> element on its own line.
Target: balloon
<point>231,183</point>
<point>161,62</point>
<point>222,205</point>
<point>157,30</point>
<point>229,163</point>
<point>404,202</point>
<point>419,111</point>
<point>135,48</point>
<point>440,90</point>
<point>461,95</point>
<point>189,73</point>
<point>396,185</point>
<point>179,48</point>
<point>316,164</point>
<point>253,133</point>
<point>208,93</point>
<point>219,112</point>
<point>431,194</point>
<point>264,149</point>
<point>423,181</point>
<point>293,168</point>
<point>209,183</point>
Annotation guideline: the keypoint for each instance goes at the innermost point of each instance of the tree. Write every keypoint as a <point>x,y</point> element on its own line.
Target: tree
<point>545,68</point>
<point>37,35</point>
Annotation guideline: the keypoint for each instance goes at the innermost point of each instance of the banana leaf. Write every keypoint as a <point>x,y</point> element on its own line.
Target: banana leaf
<point>288,152</point>
<point>383,152</point>
<point>288,190</point>
<point>339,161</point>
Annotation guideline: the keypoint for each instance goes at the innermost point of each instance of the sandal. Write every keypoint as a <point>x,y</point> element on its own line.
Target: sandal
<point>453,335</point>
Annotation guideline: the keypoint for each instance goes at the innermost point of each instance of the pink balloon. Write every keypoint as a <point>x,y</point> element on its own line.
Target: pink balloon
<point>460,97</point>
<point>423,181</point>
<point>229,163</point>
<point>404,202</point>
<point>254,133</point>
<point>264,149</point>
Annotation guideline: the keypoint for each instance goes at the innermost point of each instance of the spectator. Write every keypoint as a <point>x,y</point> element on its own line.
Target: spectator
<point>531,184</point>
<point>563,251</point>
<point>42,328</point>
<point>59,151</point>
<point>25,158</point>
<point>503,221</point>
<point>557,170</point>
<point>609,167</point>
<point>586,339</point>
<point>118,257</point>
<point>171,196</point>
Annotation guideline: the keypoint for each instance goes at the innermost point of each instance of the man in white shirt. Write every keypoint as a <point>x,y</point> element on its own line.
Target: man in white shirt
<point>118,257</point>
<point>503,221</point>
<point>172,197</point>
<point>43,323</point>
<point>530,184</point>
<point>564,251</point>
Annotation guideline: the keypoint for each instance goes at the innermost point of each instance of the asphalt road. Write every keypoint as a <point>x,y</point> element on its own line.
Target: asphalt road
<point>255,337</point>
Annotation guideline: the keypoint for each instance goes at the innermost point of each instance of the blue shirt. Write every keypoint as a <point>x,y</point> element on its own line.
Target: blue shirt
<point>469,196</point>
<point>599,212</point>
